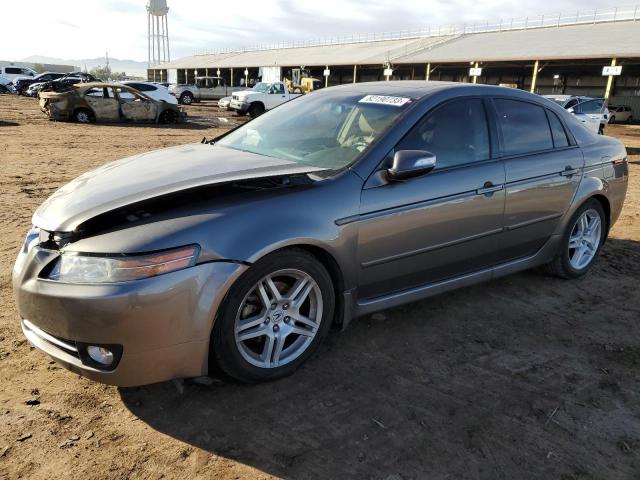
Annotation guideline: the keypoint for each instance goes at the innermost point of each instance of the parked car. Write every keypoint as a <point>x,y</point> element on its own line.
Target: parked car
<point>620,114</point>
<point>244,251</point>
<point>151,89</point>
<point>13,72</point>
<point>262,97</point>
<point>6,86</point>
<point>23,83</point>
<point>107,102</point>
<point>223,103</point>
<point>33,89</point>
<point>205,88</point>
<point>592,112</point>
<point>67,82</point>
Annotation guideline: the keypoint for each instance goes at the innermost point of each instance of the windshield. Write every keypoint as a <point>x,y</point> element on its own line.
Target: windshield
<point>321,130</point>
<point>261,87</point>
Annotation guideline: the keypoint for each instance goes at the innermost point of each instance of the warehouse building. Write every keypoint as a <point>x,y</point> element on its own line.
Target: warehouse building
<point>547,54</point>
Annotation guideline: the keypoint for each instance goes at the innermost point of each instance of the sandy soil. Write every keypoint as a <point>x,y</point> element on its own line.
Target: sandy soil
<point>524,377</point>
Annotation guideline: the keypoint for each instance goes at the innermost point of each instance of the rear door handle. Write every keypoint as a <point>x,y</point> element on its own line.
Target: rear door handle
<point>569,172</point>
<point>489,188</point>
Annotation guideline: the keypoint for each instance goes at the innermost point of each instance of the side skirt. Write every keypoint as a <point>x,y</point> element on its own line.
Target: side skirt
<point>542,256</point>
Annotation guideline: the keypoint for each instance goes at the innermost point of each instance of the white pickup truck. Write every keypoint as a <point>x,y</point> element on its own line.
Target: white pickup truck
<point>205,88</point>
<point>263,97</point>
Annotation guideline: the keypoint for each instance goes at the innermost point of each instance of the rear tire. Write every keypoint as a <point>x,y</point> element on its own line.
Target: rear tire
<point>256,109</point>
<point>82,115</point>
<point>581,241</point>
<point>281,333</point>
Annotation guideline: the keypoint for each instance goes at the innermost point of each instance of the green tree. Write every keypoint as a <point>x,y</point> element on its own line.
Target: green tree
<point>38,67</point>
<point>105,73</point>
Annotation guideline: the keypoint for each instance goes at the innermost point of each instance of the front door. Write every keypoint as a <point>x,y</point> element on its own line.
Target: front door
<point>104,104</point>
<point>440,225</point>
<point>543,171</point>
<point>138,108</point>
<point>275,96</point>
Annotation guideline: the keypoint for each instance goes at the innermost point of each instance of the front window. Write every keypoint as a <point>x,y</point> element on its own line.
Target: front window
<point>592,106</point>
<point>326,131</point>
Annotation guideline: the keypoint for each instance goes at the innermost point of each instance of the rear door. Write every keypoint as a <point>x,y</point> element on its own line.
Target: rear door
<point>439,225</point>
<point>205,88</point>
<point>543,170</point>
<point>104,104</point>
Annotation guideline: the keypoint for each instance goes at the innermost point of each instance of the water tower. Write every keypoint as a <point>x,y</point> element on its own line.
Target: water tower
<point>158,32</point>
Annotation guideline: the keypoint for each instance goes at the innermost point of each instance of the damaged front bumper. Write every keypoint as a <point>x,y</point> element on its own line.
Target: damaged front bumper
<point>157,328</point>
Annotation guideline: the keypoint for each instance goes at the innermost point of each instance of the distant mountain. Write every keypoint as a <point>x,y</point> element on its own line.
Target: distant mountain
<point>131,67</point>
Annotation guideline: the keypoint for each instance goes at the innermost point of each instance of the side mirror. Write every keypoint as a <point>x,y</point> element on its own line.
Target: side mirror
<point>411,163</point>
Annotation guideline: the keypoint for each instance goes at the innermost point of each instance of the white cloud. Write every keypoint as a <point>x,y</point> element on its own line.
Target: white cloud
<point>80,29</point>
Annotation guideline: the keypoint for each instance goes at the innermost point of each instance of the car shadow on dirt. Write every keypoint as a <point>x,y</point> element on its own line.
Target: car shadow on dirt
<point>4,123</point>
<point>527,376</point>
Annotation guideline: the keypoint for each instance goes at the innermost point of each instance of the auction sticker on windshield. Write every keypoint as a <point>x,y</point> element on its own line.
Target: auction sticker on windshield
<point>385,100</point>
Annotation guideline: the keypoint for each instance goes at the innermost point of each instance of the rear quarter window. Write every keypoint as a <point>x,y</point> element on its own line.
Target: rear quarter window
<point>558,133</point>
<point>524,127</point>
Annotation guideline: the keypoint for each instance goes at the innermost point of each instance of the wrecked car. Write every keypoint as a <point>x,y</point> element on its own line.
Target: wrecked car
<point>242,252</point>
<point>107,102</point>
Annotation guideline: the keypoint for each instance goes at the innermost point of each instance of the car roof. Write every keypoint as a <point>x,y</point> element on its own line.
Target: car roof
<point>418,89</point>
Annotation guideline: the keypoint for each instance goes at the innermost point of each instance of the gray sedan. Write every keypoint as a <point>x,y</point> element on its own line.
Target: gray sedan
<point>244,251</point>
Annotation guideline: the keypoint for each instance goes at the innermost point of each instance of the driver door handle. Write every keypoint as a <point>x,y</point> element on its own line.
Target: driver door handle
<point>489,188</point>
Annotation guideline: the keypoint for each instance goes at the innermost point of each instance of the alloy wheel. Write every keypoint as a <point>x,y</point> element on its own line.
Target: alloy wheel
<point>585,239</point>
<point>278,319</point>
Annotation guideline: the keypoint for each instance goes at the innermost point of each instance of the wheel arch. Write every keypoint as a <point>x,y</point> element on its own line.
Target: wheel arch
<point>606,206</point>
<point>328,260</point>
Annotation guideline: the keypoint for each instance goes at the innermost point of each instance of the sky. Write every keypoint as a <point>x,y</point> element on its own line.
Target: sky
<point>78,29</point>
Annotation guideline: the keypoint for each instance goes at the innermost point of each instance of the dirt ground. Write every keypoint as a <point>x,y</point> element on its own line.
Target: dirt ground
<point>525,377</point>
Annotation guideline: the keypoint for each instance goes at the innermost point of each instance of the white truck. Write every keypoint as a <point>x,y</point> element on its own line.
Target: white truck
<point>205,88</point>
<point>263,97</point>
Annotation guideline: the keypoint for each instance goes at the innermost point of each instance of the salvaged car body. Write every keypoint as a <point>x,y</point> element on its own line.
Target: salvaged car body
<point>243,251</point>
<point>107,102</point>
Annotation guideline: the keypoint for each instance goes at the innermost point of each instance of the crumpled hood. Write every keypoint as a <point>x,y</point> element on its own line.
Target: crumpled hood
<point>153,174</point>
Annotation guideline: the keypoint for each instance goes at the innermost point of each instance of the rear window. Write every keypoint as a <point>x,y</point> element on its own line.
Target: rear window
<point>142,87</point>
<point>13,71</point>
<point>524,127</point>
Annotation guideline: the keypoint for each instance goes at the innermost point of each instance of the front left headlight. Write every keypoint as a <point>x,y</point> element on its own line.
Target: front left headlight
<point>30,241</point>
<point>74,267</point>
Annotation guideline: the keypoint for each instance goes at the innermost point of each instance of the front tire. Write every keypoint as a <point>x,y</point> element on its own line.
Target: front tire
<point>274,317</point>
<point>581,241</point>
<point>612,119</point>
<point>168,117</point>
<point>256,109</point>
<point>186,98</point>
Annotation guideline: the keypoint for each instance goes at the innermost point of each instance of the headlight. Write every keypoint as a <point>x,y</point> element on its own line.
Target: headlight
<point>30,241</point>
<point>84,268</point>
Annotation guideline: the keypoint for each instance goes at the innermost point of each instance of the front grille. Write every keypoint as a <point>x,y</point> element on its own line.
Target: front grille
<point>67,346</point>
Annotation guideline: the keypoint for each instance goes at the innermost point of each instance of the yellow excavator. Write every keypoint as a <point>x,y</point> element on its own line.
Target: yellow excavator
<point>301,82</point>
